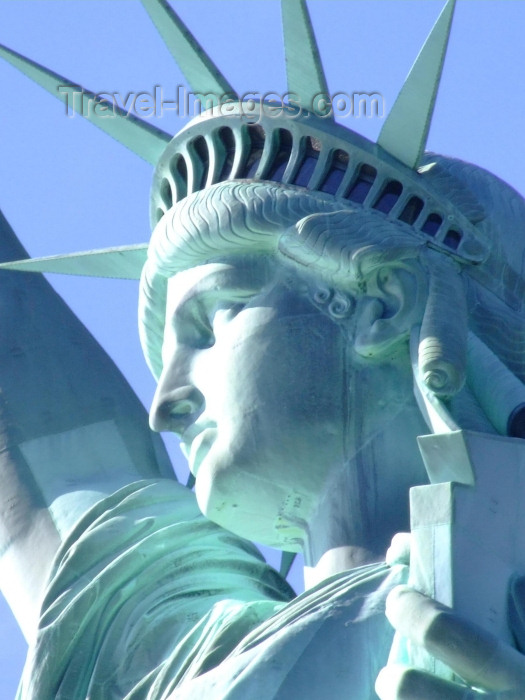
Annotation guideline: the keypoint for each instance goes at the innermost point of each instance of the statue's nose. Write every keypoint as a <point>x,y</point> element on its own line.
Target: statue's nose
<point>174,410</point>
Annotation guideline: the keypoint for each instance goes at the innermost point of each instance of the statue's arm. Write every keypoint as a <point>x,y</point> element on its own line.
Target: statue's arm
<point>71,430</point>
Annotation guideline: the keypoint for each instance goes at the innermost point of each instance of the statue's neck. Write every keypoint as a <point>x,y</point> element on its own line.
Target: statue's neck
<point>365,503</point>
<point>345,532</point>
<point>336,560</point>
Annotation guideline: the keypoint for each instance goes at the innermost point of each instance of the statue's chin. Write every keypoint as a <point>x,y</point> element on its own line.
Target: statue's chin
<point>251,507</point>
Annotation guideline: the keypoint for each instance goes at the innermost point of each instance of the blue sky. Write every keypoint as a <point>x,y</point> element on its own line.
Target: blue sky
<point>65,186</point>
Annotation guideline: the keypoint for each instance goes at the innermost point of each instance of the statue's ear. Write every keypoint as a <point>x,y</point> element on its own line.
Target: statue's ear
<point>392,304</point>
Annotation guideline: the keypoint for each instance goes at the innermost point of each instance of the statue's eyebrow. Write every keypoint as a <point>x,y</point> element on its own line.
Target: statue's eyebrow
<point>219,282</point>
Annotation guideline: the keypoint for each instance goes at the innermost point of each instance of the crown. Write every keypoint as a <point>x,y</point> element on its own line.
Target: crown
<point>301,147</point>
<point>322,157</point>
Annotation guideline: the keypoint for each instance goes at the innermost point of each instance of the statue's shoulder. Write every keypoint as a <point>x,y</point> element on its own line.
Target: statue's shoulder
<point>339,627</point>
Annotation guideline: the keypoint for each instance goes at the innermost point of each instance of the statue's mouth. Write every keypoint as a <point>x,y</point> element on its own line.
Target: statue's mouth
<point>196,442</point>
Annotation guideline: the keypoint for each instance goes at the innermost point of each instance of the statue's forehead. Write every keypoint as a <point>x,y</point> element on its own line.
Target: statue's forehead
<point>248,272</point>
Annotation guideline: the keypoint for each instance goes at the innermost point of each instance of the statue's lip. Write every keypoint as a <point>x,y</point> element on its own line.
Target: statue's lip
<point>196,442</point>
<point>191,432</point>
<point>200,446</point>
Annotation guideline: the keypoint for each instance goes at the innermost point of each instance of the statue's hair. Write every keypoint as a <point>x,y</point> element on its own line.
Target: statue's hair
<point>496,311</point>
<point>309,229</point>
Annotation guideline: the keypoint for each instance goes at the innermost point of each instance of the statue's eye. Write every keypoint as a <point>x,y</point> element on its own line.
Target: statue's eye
<point>200,316</point>
<point>193,325</point>
<point>229,311</point>
<point>226,310</point>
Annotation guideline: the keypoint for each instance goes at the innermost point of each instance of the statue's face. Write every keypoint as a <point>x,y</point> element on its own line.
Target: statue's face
<point>254,382</point>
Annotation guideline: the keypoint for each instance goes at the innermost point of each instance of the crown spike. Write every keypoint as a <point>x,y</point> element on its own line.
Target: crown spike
<point>145,140</point>
<point>122,262</point>
<point>304,69</point>
<point>202,74</point>
<point>405,131</point>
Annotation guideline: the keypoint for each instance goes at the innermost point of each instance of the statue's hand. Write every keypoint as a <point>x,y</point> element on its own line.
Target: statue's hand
<point>492,670</point>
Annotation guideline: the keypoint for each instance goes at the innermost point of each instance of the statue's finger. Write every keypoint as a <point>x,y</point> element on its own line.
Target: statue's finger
<point>396,682</point>
<point>472,653</point>
<point>399,550</point>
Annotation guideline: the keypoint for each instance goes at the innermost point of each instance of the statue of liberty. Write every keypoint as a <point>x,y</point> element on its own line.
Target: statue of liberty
<point>310,304</point>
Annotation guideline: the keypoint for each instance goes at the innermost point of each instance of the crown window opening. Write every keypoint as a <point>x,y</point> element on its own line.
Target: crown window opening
<point>363,184</point>
<point>412,210</point>
<point>452,239</point>
<point>305,172</point>
<point>179,172</point>
<point>336,172</point>
<point>389,196</point>
<point>252,164</point>
<point>315,144</point>
<point>166,194</point>
<point>308,162</point>
<point>432,224</point>
<point>257,138</point>
<point>228,141</point>
<point>200,148</point>
<point>257,135</point>
<point>278,167</point>
<point>281,160</point>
